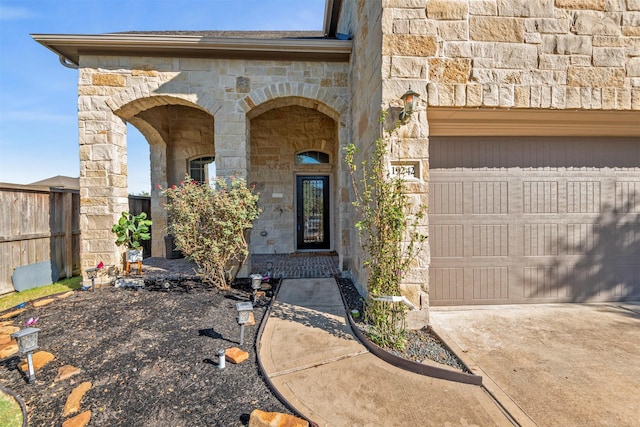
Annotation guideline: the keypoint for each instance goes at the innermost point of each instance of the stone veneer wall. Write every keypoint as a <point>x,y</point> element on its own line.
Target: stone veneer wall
<point>543,54</point>
<point>361,20</point>
<point>113,90</point>
<point>276,137</point>
<point>557,54</point>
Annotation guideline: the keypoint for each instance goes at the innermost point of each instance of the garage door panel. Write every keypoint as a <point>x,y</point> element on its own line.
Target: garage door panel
<point>539,221</point>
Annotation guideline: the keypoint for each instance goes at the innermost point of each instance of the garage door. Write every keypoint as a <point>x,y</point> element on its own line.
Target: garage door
<point>530,220</point>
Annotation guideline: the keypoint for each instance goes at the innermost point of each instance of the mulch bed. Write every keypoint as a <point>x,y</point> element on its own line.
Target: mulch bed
<point>151,356</point>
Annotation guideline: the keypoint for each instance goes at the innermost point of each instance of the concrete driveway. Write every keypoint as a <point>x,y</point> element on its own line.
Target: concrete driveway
<point>553,365</point>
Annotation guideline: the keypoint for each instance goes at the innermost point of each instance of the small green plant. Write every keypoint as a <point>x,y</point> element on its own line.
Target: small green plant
<point>131,230</point>
<point>210,224</point>
<point>390,236</point>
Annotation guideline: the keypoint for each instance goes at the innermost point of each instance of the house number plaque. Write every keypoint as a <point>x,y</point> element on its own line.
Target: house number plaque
<point>405,170</point>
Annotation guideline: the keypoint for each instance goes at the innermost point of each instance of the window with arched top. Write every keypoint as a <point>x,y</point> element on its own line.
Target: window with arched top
<point>200,169</point>
<point>312,158</point>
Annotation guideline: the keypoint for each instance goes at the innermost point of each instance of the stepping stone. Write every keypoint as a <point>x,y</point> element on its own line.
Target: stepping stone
<point>6,339</point>
<point>6,323</point>
<point>251,321</point>
<point>260,418</point>
<point>43,302</point>
<point>40,360</point>
<point>12,314</point>
<point>8,350</point>
<point>8,330</point>
<point>65,372</point>
<point>80,420</point>
<point>235,355</point>
<point>73,401</point>
<point>65,295</point>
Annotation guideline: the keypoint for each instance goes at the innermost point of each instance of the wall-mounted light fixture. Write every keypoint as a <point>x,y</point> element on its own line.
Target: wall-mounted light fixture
<point>409,100</point>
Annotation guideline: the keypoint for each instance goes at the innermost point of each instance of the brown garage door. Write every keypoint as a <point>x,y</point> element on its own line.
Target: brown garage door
<point>517,220</point>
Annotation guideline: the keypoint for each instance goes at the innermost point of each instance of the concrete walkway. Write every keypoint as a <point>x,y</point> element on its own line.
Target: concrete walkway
<point>311,356</point>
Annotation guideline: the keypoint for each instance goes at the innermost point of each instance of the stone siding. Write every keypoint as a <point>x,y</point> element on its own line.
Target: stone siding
<point>558,54</point>
<point>185,108</point>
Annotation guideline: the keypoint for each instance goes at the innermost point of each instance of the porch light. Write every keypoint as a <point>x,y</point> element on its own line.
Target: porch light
<point>409,100</point>
<point>244,312</point>
<point>28,342</point>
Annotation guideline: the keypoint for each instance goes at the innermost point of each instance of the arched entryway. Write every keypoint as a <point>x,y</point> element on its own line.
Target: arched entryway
<point>179,133</point>
<point>293,164</point>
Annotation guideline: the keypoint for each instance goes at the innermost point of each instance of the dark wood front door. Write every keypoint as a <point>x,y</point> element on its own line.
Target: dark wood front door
<point>312,216</point>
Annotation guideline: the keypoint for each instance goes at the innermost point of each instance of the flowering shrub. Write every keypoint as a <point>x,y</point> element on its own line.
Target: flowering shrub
<point>209,225</point>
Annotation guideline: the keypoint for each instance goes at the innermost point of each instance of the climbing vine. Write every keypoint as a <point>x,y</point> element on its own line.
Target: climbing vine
<point>389,230</point>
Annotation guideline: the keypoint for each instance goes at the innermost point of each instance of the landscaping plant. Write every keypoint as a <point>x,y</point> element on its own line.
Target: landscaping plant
<point>389,235</point>
<point>210,224</point>
<point>132,230</point>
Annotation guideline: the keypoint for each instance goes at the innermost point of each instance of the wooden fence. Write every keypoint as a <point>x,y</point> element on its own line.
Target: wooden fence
<point>39,224</point>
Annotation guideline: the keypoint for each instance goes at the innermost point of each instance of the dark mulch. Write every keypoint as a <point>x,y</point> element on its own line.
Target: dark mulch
<point>151,356</point>
<point>421,344</point>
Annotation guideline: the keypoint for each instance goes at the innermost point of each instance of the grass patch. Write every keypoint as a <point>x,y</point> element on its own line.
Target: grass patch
<point>10,411</point>
<point>13,299</point>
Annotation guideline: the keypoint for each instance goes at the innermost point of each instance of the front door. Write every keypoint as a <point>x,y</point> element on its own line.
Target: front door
<point>312,216</point>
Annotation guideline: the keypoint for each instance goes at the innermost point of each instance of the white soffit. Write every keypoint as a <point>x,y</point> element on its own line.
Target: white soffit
<point>522,122</point>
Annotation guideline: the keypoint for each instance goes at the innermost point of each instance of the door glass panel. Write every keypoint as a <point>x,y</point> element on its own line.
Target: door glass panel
<point>313,213</point>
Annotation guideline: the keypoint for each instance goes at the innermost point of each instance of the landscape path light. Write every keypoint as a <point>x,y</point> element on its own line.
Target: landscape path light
<point>256,285</point>
<point>28,342</point>
<point>244,312</point>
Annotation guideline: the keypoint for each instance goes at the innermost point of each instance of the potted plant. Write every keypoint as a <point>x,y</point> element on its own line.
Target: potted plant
<point>131,231</point>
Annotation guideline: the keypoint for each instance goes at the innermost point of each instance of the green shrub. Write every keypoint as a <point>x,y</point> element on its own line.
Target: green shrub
<point>210,224</point>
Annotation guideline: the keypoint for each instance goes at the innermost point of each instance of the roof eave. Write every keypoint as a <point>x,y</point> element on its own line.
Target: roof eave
<point>71,47</point>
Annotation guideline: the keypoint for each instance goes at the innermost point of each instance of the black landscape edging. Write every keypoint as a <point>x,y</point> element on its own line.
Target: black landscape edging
<point>18,399</point>
<point>410,365</point>
<point>270,384</point>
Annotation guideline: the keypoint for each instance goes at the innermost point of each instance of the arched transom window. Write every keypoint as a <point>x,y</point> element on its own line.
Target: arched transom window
<point>312,158</point>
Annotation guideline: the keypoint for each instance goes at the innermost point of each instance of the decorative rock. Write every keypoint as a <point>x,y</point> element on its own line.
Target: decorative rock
<point>40,359</point>
<point>43,302</point>
<point>235,355</point>
<point>73,401</point>
<point>65,295</point>
<point>65,372</point>
<point>6,323</point>
<point>129,283</point>
<point>8,330</point>
<point>12,314</point>
<point>5,339</point>
<point>80,420</point>
<point>260,418</point>
<point>8,350</point>
<point>252,319</point>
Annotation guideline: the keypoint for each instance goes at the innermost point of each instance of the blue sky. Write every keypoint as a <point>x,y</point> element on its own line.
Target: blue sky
<point>38,96</point>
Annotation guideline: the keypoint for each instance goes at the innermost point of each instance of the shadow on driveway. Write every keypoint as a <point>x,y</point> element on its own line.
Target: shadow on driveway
<point>553,365</point>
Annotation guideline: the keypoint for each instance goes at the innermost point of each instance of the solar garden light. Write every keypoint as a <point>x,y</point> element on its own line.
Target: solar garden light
<point>256,284</point>
<point>92,273</point>
<point>27,342</point>
<point>244,311</point>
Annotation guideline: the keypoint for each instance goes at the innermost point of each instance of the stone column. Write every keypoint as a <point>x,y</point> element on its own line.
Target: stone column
<point>103,181</point>
<point>406,44</point>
